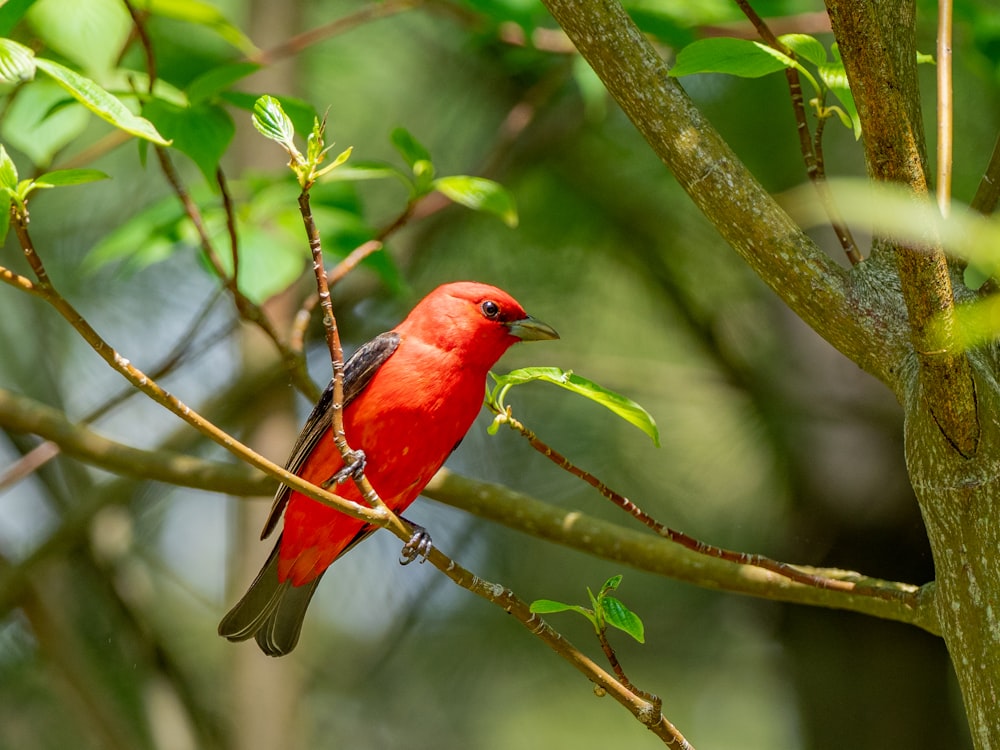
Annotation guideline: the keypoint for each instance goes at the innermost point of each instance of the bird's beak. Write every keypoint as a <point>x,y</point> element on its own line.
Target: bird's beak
<point>529,329</point>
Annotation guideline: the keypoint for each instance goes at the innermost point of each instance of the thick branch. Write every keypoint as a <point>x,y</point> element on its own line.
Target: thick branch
<point>748,218</point>
<point>878,47</point>
<point>22,414</point>
<point>610,541</point>
<point>639,549</point>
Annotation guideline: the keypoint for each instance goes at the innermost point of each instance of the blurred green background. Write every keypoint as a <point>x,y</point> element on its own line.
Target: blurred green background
<point>772,442</point>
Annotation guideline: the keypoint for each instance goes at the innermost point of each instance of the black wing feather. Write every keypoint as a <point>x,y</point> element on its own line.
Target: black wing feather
<point>358,372</point>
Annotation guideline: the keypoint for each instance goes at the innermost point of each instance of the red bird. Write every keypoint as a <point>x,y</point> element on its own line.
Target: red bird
<point>410,395</point>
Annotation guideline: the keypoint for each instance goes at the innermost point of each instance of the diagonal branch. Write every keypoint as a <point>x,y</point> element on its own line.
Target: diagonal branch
<point>810,282</point>
<point>889,600</point>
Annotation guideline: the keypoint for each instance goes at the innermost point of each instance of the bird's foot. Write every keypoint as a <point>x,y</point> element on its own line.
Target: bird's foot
<point>420,545</point>
<point>354,467</point>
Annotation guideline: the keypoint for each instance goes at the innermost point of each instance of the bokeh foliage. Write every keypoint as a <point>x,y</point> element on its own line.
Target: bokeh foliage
<point>771,442</point>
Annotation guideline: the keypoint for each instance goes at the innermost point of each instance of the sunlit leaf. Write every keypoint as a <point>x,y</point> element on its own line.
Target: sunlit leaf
<point>88,34</point>
<point>834,77</point>
<point>621,405</point>
<point>548,606</point>
<point>479,194</point>
<point>203,14</point>
<point>805,46</point>
<point>738,57</point>
<point>64,177</point>
<point>618,615</point>
<point>100,102</point>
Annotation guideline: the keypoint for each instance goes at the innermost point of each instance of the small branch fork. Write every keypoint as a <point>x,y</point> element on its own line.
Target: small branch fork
<point>786,570</point>
<point>811,146</point>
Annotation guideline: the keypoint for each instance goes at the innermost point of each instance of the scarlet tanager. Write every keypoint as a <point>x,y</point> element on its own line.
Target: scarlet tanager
<point>410,395</point>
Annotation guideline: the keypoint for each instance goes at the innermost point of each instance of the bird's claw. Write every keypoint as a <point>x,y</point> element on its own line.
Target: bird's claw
<point>354,467</point>
<point>420,545</point>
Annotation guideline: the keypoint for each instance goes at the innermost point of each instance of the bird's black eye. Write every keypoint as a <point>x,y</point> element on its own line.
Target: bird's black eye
<point>490,309</point>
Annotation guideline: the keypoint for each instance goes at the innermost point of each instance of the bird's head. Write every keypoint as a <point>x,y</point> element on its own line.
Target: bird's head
<point>480,320</point>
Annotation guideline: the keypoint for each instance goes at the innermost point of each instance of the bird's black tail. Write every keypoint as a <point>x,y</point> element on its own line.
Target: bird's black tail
<point>270,611</point>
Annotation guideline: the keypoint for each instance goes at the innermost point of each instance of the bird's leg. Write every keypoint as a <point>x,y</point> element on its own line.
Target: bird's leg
<point>354,467</point>
<point>420,545</point>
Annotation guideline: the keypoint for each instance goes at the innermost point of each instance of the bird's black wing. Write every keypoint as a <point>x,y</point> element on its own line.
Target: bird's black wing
<point>358,372</point>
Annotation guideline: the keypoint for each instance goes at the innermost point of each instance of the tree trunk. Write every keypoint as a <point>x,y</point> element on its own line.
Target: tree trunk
<point>960,502</point>
<point>879,315</point>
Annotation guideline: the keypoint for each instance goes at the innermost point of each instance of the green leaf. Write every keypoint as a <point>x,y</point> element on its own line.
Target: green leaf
<point>202,131</point>
<point>64,177</point>
<point>479,194</point>
<point>548,606</point>
<point>8,171</point>
<point>834,77</point>
<point>623,406</point>
<point>216,80</point>
<point>412,151</point>
<point>805,46</point>
<point>89,34</point>
<point>17,62</point>
<point>618,615</point>
<point>301,112</point>
<point>200,14</point>
<point>271,121</point>
<point>100,102</point>
<point>739,57</point>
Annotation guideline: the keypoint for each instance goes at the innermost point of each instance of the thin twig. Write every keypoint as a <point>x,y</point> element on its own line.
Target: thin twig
<point>809,145</point>
<point>612,657</point>
<point>786,570</point>
<point>138,23</point>
<point>945,130</point>
<point>230,211</point>
<point>296,44</point>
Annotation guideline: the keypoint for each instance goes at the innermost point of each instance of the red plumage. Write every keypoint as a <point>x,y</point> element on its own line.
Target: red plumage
<point>411,395</point>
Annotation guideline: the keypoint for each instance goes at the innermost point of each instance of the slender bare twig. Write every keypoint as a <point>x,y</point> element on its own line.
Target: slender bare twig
<point>944,107</point>
<point>790,572</point>
<point>616,667</point>
<point>230,211</point>
<point>138,23</point>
